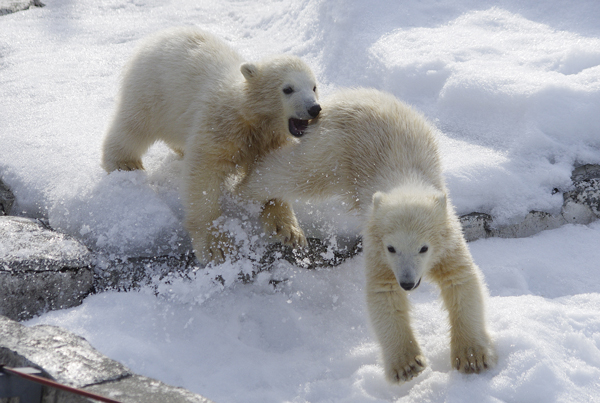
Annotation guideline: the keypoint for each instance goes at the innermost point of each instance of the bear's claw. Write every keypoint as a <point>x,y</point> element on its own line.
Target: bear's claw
<point>291,236</point>
<point>132,165</point>
<point>474,360</point>
<point>407,371</point>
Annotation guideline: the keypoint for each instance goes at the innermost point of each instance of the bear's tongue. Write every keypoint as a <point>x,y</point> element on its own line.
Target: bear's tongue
<point>297,127</point>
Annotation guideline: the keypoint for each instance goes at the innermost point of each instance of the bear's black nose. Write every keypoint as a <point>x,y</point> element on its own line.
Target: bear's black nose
<point>407,286</point>
<point>314,110</point>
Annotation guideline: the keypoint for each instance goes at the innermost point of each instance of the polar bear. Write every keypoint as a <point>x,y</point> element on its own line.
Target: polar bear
<point>381,158</point>
<point>191,90</point>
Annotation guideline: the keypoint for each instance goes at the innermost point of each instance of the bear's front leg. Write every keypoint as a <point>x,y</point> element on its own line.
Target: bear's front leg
<point>462,290</point>
<point>389,308</point>
<point>279,221</point>
<point>389,312</point>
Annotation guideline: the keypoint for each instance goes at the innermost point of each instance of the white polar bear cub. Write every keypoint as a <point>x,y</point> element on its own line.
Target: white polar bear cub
<point>191,90</point>
<point>381,157</point>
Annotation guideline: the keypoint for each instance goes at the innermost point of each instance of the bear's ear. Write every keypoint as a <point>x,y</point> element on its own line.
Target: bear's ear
<point>377,200</point>
<point>249,70</point>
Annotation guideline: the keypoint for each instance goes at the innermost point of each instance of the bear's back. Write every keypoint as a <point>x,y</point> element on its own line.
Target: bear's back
<point>379,138</point>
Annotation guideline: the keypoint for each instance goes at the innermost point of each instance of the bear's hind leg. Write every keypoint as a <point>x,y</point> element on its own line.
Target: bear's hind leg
<point>204,178</point>
<point>123,147</point>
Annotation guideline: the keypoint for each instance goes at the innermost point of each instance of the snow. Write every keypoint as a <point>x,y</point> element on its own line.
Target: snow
<point>308,340</point>
<point>513,88</point>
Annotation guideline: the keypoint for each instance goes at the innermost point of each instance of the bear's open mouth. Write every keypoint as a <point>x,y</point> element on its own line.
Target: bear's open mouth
<point>297,127</point>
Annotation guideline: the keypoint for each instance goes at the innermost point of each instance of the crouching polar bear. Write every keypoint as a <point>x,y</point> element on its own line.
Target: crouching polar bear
<point>381,157</point>
<point>191,90</point>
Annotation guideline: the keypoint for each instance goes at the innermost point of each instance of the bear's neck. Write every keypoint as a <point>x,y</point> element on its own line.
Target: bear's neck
<point>265,135</point>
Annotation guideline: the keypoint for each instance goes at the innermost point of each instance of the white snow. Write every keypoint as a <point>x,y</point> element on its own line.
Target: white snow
<point>514,89</point>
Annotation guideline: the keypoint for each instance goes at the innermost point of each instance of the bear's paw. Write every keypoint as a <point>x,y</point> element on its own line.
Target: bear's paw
<point>218,247</point>
<point>281,224</point>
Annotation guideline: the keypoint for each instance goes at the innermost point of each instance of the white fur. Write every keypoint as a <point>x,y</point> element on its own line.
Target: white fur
<point>381,157</point>
<point>191,90</point>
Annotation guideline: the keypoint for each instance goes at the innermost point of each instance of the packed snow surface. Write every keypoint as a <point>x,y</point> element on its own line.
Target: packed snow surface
<point>514,90</point>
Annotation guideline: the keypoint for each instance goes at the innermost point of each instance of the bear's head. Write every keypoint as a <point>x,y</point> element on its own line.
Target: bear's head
<point>408,226</point>
<point>281,91</point>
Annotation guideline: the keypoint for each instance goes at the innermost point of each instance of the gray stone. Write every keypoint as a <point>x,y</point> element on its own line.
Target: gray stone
<point>534,222</point>
<point>124,274</point>
<point>587,192</point>
<point>318,253</point>
<point>586,183</point>
<point>577,213</point>
<point>71,360</point>
<point>25,295</point>
<point>479,225</point>
<point>476,226</point>
<point>585,172</point>
<point>138,388</point>
<point>27,245</point>
<point>12,6</point>
<point>7,199</point>
<point>67,358</point>
<point>40,269</point>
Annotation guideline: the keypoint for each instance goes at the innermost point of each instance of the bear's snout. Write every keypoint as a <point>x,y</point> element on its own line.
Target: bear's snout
<point>314,110</point>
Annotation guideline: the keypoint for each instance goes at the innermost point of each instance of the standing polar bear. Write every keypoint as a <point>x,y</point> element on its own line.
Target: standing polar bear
<point>381,158</point>
<point>192,91</point>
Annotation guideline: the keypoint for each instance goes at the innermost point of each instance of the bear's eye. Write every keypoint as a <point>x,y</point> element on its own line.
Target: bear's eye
<point>315,89</point>
<point>391,249</point>
<point>288,90</point>
<point>424,249</point>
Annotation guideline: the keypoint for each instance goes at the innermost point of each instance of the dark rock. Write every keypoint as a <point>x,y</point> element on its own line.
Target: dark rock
<point>585,172</point>
<point>316,254</point>
<point>587,192</point>
<point>40,270</point>
<point>586,181</point>
<point>7,199</point>
<point>479,225</point>
<point>28,245</point>
<point>12,6</point>
<point>476,225</point>
<point>534,222</point>
<point>138,388</point>
<point>71,360</point>
<point>124,274</point>
<point>67,358</point>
